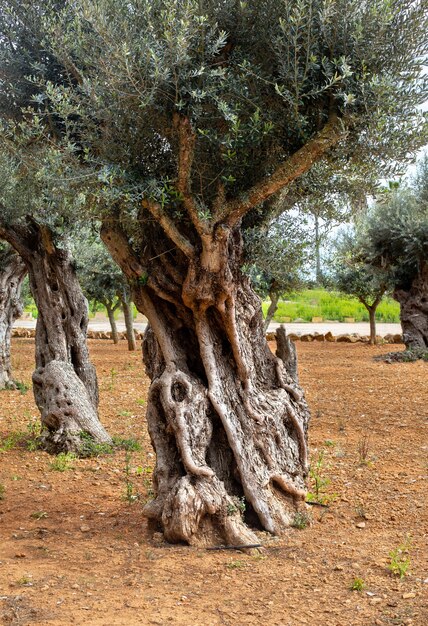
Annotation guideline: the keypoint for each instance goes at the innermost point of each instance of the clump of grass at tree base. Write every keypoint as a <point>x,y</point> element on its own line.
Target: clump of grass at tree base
<point>331,306</point>
<point>90,448</point>
<point>400,558</point>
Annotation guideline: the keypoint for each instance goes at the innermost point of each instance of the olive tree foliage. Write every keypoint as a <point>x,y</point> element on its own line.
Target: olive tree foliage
<point>277,257</point>
<point>355,277</point>
<point>396,242</point>
<point>194,115</point>
<point>103,282</point>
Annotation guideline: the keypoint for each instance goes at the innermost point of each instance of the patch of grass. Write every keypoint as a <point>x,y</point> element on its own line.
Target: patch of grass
<point>400,558</point>
<point>25,580</point>
<point>301,520</point>
<point>2,491</point>
<point>125,413</point>
<point>39,515</point>
<point>141,401</point>
<point>331,305</point>
<point>235,564</point>
<point>131,444</point>
<point>63,462</point>
<point>357,584</point>
<point>90,448</point>
<point>22,387</point>
<point>28,439</point>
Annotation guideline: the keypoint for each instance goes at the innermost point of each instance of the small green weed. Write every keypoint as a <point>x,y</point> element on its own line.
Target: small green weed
<point>329,443</point>
<point>319,482</point>
<point>357,584</point>
<point>113,376</point>
<point>2,491</point>
<point>235,564</point>
<point>39,515</point>
<point>63,462</point>
<point>400,558</point>
<point>25,580</point>
<point>238,505</point>
<point>363,449</point>
<point>141,401</point>
<point>130,493</point>
<point>301,520</point>
<point>125,413</point>
<point>22,387</point>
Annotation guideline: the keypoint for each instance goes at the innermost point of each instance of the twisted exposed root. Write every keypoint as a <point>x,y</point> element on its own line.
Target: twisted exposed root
<point>291,414</point>
<point>288,487</point>
<point>179,395</point>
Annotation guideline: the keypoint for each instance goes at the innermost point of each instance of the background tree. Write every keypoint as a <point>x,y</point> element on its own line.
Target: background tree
<point>33,202</point>
<point>12,274</point>
<point>354,277</point>
<point>103,282</point>
<point>194,115</point>
<point>396,241</point>
<point>277,257</point>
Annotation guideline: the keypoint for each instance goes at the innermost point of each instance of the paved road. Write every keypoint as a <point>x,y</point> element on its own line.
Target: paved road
<point>336,328</point>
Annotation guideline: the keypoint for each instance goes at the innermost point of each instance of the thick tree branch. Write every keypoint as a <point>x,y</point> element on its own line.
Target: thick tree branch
<point>169,227</point>
<point>186,151</point>
<point>117,244</point>
<point>299,163</point>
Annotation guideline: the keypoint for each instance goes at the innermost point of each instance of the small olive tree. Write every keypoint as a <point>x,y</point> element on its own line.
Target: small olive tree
<point>396,242</point>
<point>353,276</point>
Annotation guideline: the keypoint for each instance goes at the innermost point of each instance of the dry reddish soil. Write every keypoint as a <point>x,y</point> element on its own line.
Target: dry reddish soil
<point>75,551</point>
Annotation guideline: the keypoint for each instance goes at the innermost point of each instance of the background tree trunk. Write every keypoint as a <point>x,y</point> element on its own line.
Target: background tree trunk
<point>110,312</point>
<point>414,311</point>
<point>227,422</point>
<point>129,323</point>
<point>12,274</point>
<point>274,298</point>
<point>372,320</point>
<point>64,382</point>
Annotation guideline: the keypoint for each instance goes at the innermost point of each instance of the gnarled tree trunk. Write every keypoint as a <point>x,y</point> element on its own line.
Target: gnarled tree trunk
<point>227,421</point>
<point>64,382</point>
<point>414,310</point>
<point>12,273</point>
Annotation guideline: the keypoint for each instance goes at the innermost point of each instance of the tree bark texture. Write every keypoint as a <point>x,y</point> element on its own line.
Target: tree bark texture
<point>12,273</point>
<point>227,421</point>
<point>129,323</point>
<point>414,310</point>
<point>64,382</point>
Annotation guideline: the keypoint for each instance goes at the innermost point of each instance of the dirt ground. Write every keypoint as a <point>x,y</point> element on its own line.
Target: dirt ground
<point>76,550</point>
